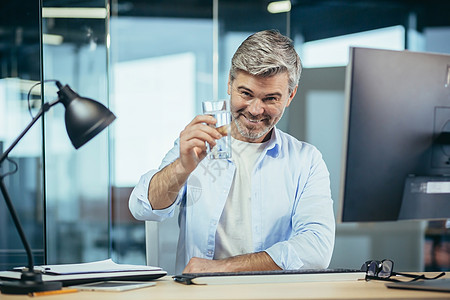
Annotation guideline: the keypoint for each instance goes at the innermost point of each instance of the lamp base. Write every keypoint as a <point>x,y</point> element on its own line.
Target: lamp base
<point>30,282</point>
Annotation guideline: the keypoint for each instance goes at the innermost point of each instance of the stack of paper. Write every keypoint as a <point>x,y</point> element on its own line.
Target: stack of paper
<point>103,266</point>
<point>70,274</point>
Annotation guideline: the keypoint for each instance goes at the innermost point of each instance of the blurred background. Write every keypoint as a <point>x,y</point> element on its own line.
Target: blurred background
<point>152,62</point>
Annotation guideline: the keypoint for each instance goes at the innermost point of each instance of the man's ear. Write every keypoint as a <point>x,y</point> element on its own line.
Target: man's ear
<point>292,95</point>
<point>229,85</point>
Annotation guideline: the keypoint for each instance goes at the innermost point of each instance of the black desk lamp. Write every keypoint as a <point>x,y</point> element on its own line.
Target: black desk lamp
<point>84,119</point>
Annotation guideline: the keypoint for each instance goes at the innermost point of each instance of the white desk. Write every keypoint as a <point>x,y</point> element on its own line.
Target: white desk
<point>166,288</point>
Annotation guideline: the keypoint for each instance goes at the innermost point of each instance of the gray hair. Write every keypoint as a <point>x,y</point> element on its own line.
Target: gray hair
<point>267,53</point>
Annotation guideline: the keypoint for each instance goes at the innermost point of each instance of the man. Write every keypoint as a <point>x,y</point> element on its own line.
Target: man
<point>268,207</point>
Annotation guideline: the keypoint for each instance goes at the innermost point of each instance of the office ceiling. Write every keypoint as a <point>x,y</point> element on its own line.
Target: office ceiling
<point>314,19</point>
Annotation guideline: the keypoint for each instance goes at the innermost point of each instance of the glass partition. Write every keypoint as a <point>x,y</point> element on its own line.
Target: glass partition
<point>20,68</point>
<point>161,69</point>
<point>75,52</point>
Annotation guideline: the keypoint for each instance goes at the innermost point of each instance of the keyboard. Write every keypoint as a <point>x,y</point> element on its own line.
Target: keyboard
<point>270,276</point>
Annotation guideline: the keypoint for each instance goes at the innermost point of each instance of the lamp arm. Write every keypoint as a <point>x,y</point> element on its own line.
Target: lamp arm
<point>45,107</point>
<point>17,223</point>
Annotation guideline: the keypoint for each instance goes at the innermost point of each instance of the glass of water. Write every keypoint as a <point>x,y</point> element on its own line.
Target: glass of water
<point>221,111</point>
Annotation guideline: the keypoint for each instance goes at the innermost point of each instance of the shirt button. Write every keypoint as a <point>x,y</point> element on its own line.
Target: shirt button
<point>209,252</point>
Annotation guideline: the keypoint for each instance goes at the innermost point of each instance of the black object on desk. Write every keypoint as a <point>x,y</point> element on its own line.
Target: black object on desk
<point>301,275</point>
<point>10,277</point>
<point>439,285</point>
<point>104,270</point>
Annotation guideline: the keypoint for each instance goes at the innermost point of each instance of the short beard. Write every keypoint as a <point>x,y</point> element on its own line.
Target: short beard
<point>248,134</point>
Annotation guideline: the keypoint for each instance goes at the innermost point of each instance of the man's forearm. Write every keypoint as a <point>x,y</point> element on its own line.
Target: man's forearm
<point>260,261</point>
<point>165,185</point>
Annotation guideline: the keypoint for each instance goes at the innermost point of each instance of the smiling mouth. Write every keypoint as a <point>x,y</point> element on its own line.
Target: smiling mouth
<point>253,121</point>
<point>252,128</point>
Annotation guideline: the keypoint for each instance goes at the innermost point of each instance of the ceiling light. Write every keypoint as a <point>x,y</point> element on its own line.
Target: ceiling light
<point>74,12</point>
<point>279,7</point>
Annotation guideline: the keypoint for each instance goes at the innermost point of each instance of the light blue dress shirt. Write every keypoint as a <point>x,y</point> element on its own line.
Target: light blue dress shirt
<point>292,209</point>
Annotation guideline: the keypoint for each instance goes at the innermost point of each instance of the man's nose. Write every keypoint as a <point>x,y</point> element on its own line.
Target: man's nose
<point>256,107</point>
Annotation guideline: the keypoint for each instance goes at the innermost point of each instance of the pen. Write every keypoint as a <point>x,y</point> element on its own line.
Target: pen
<point>64,291</point>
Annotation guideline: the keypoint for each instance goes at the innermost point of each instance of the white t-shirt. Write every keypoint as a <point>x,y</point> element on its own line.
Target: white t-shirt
<point>234,231</point>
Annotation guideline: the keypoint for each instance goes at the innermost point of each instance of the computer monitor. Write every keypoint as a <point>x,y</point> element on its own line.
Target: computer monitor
<point>397,136</point>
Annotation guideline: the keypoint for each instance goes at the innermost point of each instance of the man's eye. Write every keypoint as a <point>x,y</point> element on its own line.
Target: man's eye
<point>271,99</point>
<point>245,94</point>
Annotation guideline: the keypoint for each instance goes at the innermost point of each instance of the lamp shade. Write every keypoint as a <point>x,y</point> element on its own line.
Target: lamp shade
<point>84,117</point>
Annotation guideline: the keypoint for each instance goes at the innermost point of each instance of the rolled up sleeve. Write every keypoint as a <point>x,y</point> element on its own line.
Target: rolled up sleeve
<point>139,203</point>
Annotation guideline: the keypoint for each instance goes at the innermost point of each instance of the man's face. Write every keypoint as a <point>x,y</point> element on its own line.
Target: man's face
<point>257,104</point>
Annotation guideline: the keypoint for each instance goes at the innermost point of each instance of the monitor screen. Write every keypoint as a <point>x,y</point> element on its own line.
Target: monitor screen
<point>396,138</point>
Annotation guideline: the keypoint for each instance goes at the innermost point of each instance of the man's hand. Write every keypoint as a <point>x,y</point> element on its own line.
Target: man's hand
<point>260,261</point>
<point>202,265</point>
<point>165,185</point>
<point>193,138</point>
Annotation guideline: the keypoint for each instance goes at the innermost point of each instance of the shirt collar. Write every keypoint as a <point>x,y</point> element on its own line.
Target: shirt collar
<point>273,147</point>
